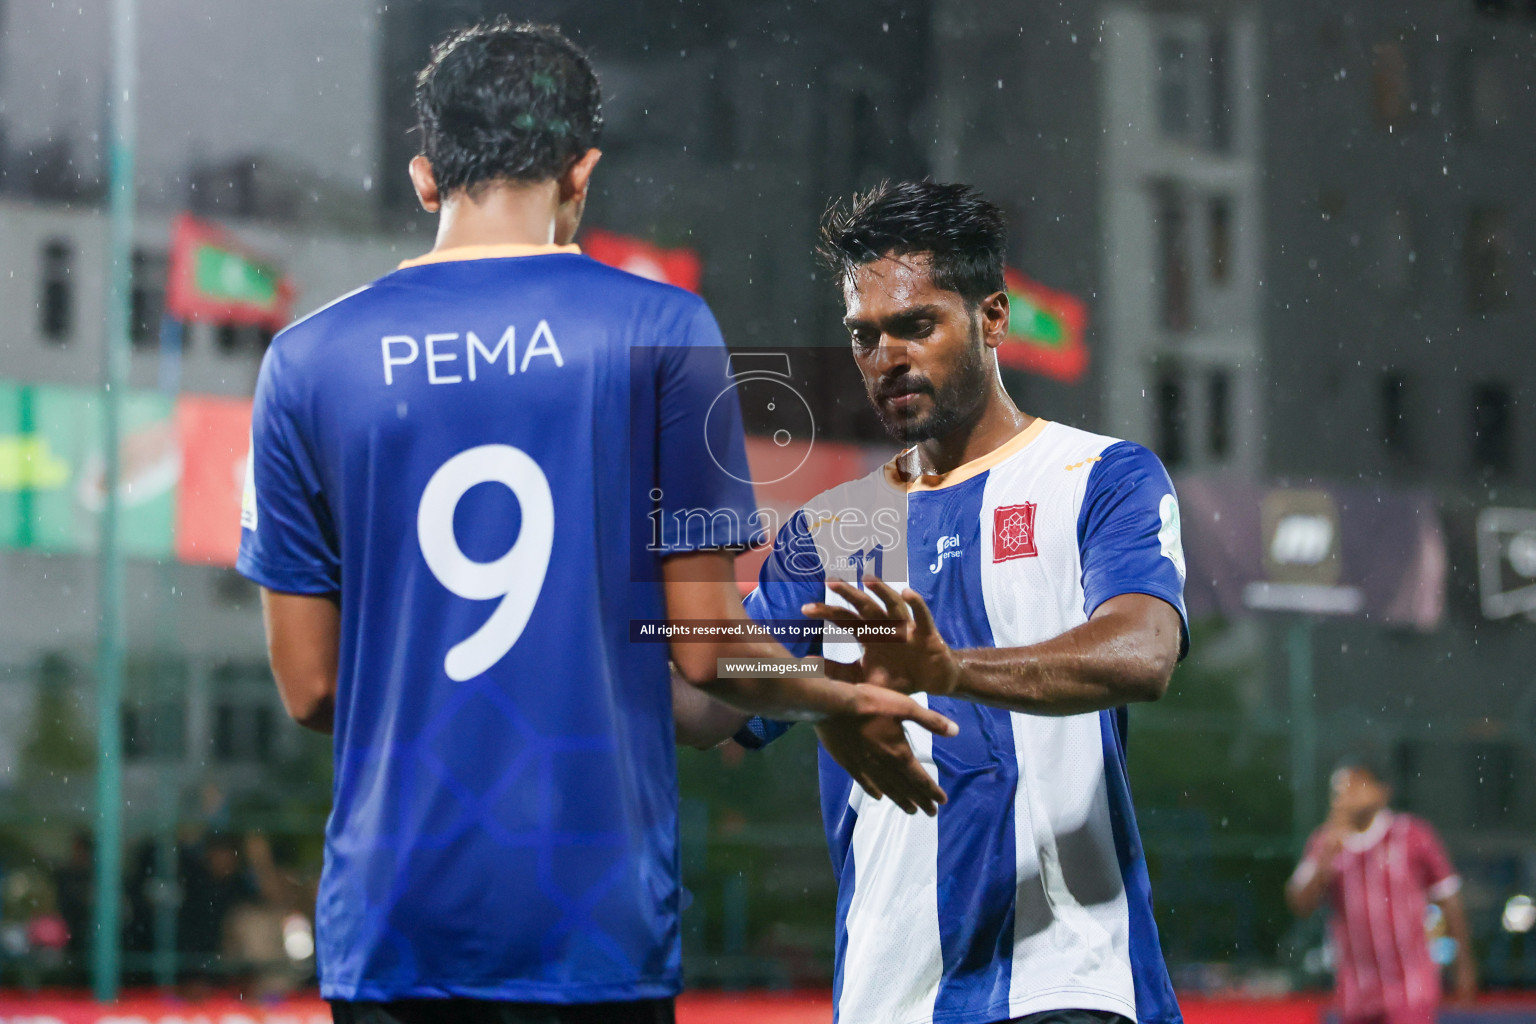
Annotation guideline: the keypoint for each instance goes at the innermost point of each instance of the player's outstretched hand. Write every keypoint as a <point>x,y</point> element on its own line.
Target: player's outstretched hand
<point>878,698</point>
<point>921,662</point>
<point>874,750</point>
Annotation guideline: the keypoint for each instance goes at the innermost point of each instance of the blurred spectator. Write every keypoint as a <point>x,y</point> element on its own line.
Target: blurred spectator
<point>74,885</point>
<point>254,932</point>
<point>32,930</point>
<point>1380,871</point>
<point>139,927</point>
<point>216,880</point>
<point>213,806</point>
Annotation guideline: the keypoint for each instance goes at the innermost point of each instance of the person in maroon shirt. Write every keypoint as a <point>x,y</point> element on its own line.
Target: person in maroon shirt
<point>1380,870</point>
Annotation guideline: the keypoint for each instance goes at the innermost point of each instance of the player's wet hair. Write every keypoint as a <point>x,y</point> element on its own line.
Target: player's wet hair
<point>506,102</point>
<point>962,233</point>
<point>1368,760</point>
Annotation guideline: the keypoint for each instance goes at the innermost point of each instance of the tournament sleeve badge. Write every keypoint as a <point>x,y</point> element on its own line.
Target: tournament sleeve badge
<point>248,491</point>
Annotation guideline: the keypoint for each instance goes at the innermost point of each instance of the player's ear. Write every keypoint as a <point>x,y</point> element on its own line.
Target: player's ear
<point>425,183</point>
<point>578,177</point>
<point>994,318</point>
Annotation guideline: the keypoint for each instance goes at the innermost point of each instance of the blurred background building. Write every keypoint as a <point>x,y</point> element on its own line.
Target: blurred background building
<point>1304,235</point>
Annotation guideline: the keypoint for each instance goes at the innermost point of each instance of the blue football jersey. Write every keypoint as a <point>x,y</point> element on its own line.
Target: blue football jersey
<point>468,453</point>
<point>1028,892</point>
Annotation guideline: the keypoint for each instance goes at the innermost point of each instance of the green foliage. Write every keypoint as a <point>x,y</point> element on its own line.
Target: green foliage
<point>755,865</point>
<point>61,745</point>
<point>1208,773</point>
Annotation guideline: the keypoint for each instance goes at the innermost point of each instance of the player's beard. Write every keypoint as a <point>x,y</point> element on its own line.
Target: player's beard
<point>954,403</point>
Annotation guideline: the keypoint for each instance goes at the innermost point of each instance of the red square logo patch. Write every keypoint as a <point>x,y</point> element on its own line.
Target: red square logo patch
<point>1013,532</point>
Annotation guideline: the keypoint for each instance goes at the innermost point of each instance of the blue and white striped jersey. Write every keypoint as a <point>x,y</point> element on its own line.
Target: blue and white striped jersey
<point>1029,890</point>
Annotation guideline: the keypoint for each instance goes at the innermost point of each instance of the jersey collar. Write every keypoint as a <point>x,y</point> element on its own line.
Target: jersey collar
<point>488,252</point>
<point>965,471</point>
<point>1359,842</point>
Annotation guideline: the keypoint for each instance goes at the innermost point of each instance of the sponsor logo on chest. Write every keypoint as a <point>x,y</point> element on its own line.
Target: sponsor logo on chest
<point>1013,532</point>
<point>948,547</point>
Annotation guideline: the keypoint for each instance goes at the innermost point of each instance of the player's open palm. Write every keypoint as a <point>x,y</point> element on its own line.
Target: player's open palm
<point>919,662</point>
<point>874,750</point>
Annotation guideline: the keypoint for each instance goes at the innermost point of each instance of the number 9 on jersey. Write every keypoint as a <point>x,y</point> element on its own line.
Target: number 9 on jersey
<point>516,577</point>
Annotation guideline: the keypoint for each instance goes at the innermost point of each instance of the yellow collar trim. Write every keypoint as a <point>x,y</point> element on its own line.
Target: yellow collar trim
<point>488,252</point>
<point>961,473</point>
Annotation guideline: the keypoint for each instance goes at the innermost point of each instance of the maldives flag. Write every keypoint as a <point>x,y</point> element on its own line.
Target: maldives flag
<point>214,278</point>
<point>680,267</point>
<point>1045,330</point>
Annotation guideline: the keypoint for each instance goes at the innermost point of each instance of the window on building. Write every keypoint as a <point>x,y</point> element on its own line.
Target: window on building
<point>1407,770</point>
<point>154,718</point>
<point>1220,90</point>
<point>1174,262</point>
<point>1175,104</point>
<point>56,304</point>
<point>242,731</point>
<point>867,137</point>
<point>1391,90</point>
<point>232,590</point>
<point>1192,89</point>
<point>1492,430</point>
<point>1397,250</point>
<point>1485,96</point>
<point>155,730</point>
<point>1332,203</point>
<point>1486,253</point>
<point>1490,776</point>
<point>1218,415</point>
<point>1219,226</point>
<point>1170,418</point>
<point>241,339</point>
<point>147,297</point>
<point>1392,398</point>
<point>717,140</point>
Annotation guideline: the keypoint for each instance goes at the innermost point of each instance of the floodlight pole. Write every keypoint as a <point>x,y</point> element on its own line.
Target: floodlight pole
<point>106,961</point>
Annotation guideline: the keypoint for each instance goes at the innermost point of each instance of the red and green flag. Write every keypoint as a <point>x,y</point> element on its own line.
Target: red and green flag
<point>1045,330</point>
<point>680,267</point>
<point>215,278</point>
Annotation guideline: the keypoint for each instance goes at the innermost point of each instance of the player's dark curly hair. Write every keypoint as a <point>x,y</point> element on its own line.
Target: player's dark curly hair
<point>506,102</point>
<point>963,234</point>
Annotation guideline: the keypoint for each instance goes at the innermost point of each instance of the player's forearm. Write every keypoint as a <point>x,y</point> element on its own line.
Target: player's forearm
<point>777,695</point>
<point>303,641</point>
<point>1455,914</point>
<point>802,698</point>
<point>1100,664</point>
<point>699,720</point>
<point>1304,891</point>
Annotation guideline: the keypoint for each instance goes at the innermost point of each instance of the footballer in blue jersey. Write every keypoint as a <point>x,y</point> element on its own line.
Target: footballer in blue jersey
<point>1038,572</point>
<point>453,474</point>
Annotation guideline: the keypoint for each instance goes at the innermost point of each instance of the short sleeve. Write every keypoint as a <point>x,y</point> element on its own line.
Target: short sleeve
<point>288,542</point>
<point>1313,851</point>
<point>704,491</point>
<point>1431,864</point>
<point>759,732</point>
<point>791,576</point>
<point>1310,863</point>
<point>1128,532</point>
